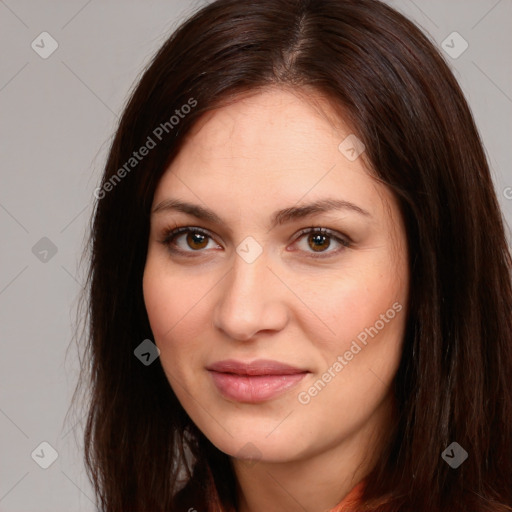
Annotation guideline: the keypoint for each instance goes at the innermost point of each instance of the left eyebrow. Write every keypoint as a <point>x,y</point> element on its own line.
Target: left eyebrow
<point>280,217</point>
<point>323,205</point>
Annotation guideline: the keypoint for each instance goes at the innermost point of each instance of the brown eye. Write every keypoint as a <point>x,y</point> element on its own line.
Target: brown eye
<point>318,242</point>
<point>196,240</point>
<point>187,240</point>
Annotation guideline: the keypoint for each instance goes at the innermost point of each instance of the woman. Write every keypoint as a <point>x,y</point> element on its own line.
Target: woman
<point>300,288</point>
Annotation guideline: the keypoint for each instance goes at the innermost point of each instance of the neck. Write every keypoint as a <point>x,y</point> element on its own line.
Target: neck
<point>311,482</point>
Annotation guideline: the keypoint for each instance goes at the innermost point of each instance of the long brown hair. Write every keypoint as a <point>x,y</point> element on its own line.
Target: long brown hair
<point>385,78</point>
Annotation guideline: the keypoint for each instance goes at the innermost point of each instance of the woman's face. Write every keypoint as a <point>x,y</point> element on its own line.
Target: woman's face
<point>252,285</point>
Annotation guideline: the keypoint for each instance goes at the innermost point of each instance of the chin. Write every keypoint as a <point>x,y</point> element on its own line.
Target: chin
<point>252,444</point>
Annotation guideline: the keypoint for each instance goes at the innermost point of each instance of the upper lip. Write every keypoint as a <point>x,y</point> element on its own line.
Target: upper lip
<point>257,367</point>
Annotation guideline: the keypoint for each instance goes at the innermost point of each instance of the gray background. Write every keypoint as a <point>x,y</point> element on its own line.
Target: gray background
<point>57,118</point>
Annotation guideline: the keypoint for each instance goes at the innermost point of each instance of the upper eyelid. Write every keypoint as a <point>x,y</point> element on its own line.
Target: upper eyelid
<point>327,231</point>
<point>179,230</point>
<point>170,234</point>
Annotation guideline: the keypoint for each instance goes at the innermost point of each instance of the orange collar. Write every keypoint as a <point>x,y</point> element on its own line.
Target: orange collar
<point>351,500</point>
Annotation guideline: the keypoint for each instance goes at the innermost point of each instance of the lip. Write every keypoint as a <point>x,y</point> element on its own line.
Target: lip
<point>255,381</point>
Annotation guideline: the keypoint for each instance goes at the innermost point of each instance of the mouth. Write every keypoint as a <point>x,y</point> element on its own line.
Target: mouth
<point>256,381</point>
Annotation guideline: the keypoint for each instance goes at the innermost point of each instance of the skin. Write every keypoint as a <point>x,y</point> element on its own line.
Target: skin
<point>263,153</point>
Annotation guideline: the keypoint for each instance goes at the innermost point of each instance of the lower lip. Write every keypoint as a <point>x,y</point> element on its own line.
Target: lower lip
<point>254,388</point>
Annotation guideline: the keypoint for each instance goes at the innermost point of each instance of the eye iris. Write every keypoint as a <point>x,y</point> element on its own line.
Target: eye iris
<point>317,241</point>
<point>196,238</point>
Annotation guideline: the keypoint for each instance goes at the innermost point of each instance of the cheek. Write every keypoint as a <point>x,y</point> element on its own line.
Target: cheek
<point>343,306</point>
<point>360,357</point>
<point>361,317</point>
<point>173,305</point>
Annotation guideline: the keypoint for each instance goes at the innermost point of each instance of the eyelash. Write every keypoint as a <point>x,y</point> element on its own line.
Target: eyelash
<point>171,234</point>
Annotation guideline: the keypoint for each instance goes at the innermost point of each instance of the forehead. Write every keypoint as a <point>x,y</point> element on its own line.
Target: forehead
<point>266,150</point>
<point>276,120</point>
<point>274,133</point>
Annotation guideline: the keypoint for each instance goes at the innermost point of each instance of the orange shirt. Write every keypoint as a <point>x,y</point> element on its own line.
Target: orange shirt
<point>197,496</point>
<point>349,503</point>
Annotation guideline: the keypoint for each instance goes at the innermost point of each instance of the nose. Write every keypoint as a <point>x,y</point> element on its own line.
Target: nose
<point>251,300</point>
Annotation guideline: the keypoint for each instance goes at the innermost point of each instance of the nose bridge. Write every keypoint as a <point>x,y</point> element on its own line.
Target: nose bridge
<point>250,300</point>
